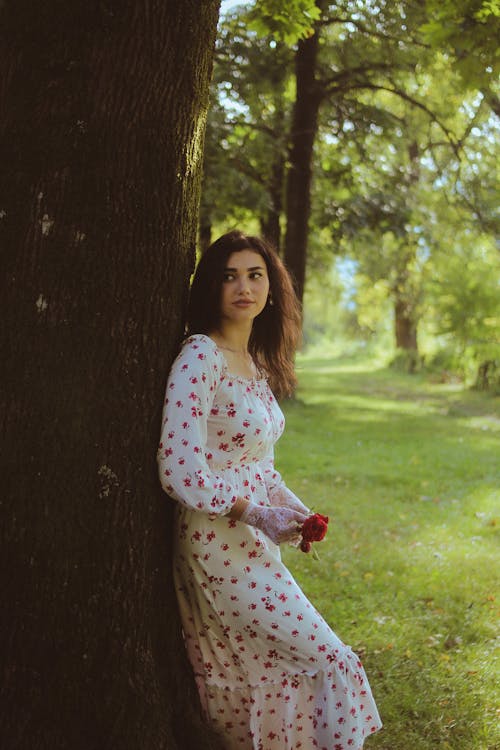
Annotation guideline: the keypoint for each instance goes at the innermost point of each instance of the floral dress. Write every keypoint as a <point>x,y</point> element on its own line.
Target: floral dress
<point>271,673</point>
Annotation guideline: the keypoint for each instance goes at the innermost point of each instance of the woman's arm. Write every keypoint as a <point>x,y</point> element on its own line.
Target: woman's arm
<point>182,455</point>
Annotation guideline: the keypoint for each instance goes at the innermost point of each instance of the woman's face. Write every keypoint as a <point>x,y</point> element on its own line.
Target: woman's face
<point>245,286</point>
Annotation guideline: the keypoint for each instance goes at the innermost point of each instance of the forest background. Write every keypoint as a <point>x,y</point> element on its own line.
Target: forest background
<point>366,151</point>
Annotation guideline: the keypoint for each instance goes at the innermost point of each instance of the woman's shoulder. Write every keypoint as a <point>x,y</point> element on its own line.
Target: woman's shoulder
<point>201,345</point>
<point>199,351</point>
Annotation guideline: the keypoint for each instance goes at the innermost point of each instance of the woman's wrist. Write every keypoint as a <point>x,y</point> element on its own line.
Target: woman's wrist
<point>238,508</point>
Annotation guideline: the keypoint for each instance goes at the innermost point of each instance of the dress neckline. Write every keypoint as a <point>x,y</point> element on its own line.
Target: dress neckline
<point>227,373</point>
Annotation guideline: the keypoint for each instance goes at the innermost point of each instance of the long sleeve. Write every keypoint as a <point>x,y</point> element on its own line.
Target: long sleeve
<point>183,456</point>
<point>271,476</point>
<point>278,493</point>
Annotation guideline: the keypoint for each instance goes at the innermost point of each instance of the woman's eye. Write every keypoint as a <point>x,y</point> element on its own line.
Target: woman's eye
<point>256,275</point>
<point>228,277</point>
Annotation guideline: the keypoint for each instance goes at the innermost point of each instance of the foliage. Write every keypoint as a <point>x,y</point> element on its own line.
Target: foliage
<point>247,124</point>
<point>396,198</point>
<point>288,21</point>
<point>405,162</point>
<point>408,473</point>
<point>468,30</point>
<point>463,290</point>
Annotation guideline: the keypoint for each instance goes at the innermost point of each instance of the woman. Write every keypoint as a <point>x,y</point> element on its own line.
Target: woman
<point>271,673</point>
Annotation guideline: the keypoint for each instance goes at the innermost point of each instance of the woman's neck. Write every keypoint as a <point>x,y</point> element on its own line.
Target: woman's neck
<point>232,338</point>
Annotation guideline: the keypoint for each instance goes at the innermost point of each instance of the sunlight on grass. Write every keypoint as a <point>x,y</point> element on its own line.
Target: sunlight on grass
<point>409,574</point>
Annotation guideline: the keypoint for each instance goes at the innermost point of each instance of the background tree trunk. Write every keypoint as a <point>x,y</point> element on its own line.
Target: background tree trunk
<point>270,226</point>
<point>298,184</point>
<point>405,326</point>
<point>406,294</point>
<point>103,113</point>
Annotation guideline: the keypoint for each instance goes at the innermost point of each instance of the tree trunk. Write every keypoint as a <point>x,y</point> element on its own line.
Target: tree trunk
<point>405,326</point>
<point>303,133</point>
<point>407,291</point>
<point>103,112</point>
<point>270,224</point>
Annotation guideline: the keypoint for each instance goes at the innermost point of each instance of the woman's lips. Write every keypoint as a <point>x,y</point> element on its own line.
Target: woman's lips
<point>243,303</point>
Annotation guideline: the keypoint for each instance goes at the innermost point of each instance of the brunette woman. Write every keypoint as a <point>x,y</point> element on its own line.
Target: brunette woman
<point>271,673</point>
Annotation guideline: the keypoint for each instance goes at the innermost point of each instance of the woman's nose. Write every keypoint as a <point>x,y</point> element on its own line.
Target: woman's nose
<point>243,285</point>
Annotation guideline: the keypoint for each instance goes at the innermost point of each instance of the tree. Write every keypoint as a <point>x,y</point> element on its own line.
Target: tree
<point>355,47</point>
<point>103,111</point>
<point>309,96</point>
<point>247,129</point>
<point>462,293</point>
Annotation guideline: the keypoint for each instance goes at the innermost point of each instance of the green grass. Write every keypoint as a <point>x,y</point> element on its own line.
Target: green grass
<point>408,471</point>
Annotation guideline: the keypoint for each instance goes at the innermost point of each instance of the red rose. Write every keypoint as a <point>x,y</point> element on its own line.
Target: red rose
<point>313,530</point>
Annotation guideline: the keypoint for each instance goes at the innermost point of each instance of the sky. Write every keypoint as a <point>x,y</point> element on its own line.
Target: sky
<point>229,4</point>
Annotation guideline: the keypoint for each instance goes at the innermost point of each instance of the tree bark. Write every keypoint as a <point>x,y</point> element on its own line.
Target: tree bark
<point>103,112</point>
<point>406,295</point>
<point>298,185</point>
<point>271,223</point>
<point>405,326</point>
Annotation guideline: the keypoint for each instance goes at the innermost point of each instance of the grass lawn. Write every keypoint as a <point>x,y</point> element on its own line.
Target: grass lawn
<point>408,471</point>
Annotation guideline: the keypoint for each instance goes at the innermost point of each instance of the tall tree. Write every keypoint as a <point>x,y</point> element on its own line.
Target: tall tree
<point>355,47</point>
<point>309,95</point>
<point>103,109</point>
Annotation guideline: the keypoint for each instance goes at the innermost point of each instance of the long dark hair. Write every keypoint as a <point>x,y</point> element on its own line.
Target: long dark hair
<point>275,332</point>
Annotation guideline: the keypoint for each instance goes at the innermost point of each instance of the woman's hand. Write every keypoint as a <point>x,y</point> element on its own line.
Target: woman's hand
<point>284,498</point>
<point>279,524</point>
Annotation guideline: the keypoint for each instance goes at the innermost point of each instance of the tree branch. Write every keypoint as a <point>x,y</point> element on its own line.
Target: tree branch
<point>334,83</point>
<point>411,100</point>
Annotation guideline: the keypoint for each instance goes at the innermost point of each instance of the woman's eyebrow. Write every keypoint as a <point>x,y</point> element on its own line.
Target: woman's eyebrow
<point>252,268</point>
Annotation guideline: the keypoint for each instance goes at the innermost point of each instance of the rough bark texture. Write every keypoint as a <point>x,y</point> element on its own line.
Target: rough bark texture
<point>303,133</point>
<point>102,119</point>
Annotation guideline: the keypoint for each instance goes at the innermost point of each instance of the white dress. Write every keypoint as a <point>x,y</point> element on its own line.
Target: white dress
<point>271,673</point>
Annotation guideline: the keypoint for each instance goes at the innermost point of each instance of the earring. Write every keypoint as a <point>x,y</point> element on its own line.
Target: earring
<point>270,299</point>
